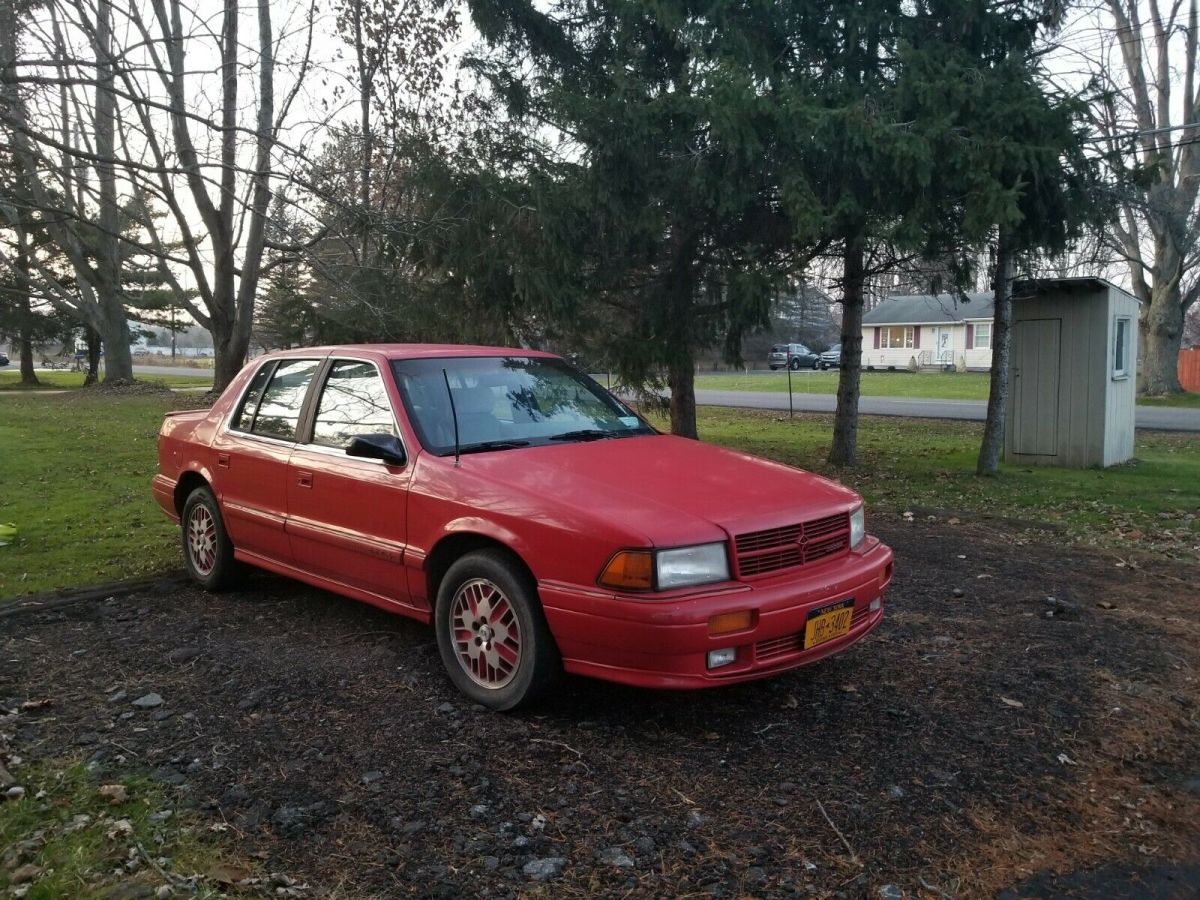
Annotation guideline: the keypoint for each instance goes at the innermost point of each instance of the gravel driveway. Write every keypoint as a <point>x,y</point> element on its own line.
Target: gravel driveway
<point>982,736</point>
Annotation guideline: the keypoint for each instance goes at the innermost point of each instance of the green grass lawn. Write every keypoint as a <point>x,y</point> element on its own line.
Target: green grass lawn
<point>75,475</point>
<point>10,380</point>
<point>78,840</point>
<point>931,385</point>
<point>75,479</point>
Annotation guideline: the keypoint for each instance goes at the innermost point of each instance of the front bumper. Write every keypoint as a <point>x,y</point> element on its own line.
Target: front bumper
<point>664,643</point>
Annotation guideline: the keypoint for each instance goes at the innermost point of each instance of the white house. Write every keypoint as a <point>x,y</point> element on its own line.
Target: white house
<point>932,330</point>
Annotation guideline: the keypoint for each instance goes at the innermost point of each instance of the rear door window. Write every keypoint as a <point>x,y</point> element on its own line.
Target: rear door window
<point>244,417</point>
<point>279,412</point>
<point>354,401</point>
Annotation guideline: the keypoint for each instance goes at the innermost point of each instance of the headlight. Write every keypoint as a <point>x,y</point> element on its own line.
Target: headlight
<point>685,566</point>
<point>649,570</point>
<point>858,526</point>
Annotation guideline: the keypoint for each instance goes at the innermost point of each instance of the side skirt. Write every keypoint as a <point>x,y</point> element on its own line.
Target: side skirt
<point>328,584</point>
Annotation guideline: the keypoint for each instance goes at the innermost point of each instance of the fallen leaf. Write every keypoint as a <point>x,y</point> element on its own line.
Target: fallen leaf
<point>791,702</point>
<point>228,874</point>
<point>1016,704</point>
<point>1066,760</point>
<point>29,705</point>
<point>120,828</point>
<point>848,688</point>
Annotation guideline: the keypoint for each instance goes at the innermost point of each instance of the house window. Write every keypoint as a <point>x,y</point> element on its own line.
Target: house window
<point>1121,354</point>
<point>896,337</point>
<point>983,336</point>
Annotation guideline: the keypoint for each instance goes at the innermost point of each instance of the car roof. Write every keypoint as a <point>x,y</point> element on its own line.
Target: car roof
<point>413,351</point>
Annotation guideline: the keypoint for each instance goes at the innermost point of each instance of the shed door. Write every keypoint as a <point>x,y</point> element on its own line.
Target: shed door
<point>1035,386</point>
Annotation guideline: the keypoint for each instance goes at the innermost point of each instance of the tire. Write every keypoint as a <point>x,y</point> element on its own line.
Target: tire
<point>483,594</point>
<point>816,364</point>
<point>774,368</point>
<point>207,550</point>
<point>794,365</point>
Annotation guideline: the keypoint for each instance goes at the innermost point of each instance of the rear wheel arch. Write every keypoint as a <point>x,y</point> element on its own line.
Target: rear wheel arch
<point>187,483</point>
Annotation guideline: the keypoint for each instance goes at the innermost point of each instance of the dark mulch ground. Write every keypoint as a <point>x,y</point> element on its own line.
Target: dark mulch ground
<point>970,744</point>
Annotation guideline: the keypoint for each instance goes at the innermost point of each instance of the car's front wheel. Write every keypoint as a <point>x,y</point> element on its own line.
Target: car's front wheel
<point>207,550</point>
<point>492,634</point>
<point>794,365</point>
<point>816,364</point>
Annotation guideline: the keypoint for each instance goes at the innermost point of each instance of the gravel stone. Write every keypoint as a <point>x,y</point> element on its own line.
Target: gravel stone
<point>544,869</point>
<point>148,701</point>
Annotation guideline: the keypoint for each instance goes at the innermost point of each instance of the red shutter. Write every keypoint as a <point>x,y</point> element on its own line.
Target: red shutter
<point>970,336</point>
<point>916,337</point>
<point>877,337</point>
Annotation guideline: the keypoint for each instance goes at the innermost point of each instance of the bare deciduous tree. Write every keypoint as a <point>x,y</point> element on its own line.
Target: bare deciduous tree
<point>1150,108</point>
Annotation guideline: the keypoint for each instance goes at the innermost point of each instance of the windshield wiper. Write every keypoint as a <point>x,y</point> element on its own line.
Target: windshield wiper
<point>584,434</point>
<point>483,446</point>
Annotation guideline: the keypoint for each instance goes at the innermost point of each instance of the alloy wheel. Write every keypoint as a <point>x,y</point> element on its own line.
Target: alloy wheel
<point>486,633</point>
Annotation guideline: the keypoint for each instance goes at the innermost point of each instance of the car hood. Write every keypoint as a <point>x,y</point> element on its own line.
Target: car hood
<point>670,489</point>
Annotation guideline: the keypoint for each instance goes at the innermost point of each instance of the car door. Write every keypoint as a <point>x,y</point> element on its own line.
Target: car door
<point>347,516</point>
<point>251,457</point>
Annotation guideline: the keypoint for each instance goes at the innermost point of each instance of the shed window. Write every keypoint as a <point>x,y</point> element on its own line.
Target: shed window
<point>1121,355</point>
<point>983,336</point>
<point>896,337</point>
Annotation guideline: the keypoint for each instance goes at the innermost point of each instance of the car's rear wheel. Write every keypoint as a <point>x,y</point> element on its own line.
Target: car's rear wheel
<point>207,550</point>
<point>492,634</point>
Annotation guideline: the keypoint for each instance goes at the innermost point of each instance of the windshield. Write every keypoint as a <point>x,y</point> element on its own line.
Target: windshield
<point>507,402</point>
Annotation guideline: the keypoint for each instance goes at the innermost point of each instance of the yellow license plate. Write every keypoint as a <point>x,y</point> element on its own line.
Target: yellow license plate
<point>828,622</point>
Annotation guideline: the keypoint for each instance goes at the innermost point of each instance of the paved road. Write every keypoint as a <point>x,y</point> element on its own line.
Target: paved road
<point>163,371</point>
<point>1152,417</point>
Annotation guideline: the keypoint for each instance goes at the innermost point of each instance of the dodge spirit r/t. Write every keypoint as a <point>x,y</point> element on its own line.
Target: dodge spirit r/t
<point>540,524</point>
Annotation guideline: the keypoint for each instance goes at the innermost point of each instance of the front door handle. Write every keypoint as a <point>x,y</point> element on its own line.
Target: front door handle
<point>304,479</point>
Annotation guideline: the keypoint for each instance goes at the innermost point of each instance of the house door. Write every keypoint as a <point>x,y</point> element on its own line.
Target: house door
<point>945,349</point>
<point>1035,386</point>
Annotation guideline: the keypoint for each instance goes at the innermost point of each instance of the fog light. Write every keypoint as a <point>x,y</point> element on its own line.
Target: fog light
<point>718,658</point>
<point>877,604</point>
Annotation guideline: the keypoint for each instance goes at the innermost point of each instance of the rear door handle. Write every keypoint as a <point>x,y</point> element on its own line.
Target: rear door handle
<point>223,460</point>
<point>304,479</point>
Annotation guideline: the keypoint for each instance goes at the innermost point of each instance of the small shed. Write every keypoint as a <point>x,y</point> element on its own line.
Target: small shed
<point>1072,373</point>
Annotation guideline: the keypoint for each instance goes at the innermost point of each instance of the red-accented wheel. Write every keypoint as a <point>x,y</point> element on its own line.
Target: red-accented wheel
<point>202,540</point>
<point>487,635</point>
<point>207,550</point>
<point>492,635</point>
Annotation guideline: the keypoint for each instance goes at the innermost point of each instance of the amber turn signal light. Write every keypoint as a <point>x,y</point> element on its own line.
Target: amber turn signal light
<point>629,570</point>
<point>728,622</point>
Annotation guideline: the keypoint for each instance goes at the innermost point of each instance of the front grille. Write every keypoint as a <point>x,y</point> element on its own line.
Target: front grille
<point>761,552</point>
<point>794,643</point>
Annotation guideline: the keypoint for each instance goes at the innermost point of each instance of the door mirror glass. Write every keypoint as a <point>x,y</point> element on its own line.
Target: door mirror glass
<point>386,447</point>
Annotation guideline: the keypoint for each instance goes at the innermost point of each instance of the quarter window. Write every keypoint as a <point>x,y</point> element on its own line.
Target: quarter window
<point>354,401</point>
<point>983,336</point>
<point>244,417</point>
<point>279,411</point>
<point>896,337</point>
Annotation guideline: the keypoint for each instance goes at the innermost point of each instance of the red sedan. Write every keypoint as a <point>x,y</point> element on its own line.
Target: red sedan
<point>538,522</point>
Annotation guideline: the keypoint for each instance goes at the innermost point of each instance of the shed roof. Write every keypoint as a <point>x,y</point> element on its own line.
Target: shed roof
<point>931,309</point>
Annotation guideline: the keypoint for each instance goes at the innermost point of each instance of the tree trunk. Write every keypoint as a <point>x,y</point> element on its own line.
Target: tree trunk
<point>93,356</point>
<point>997,409</point>
<point>681,378</point>
<point>844,450</point>
<point>111,322</point>
<point>24,312</point>
<point>1161,327</point>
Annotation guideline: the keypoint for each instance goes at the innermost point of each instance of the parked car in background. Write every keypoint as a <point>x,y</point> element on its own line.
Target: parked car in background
<point>537,522</point>
<point>3,359</point>
<point>832,358</point>
<point>797,356</point>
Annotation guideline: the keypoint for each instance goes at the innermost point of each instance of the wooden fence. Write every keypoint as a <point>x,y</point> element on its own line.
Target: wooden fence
<point>1189,369</point>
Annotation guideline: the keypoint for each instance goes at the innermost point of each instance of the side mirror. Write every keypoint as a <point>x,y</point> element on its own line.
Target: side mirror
<point>386,447</point>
